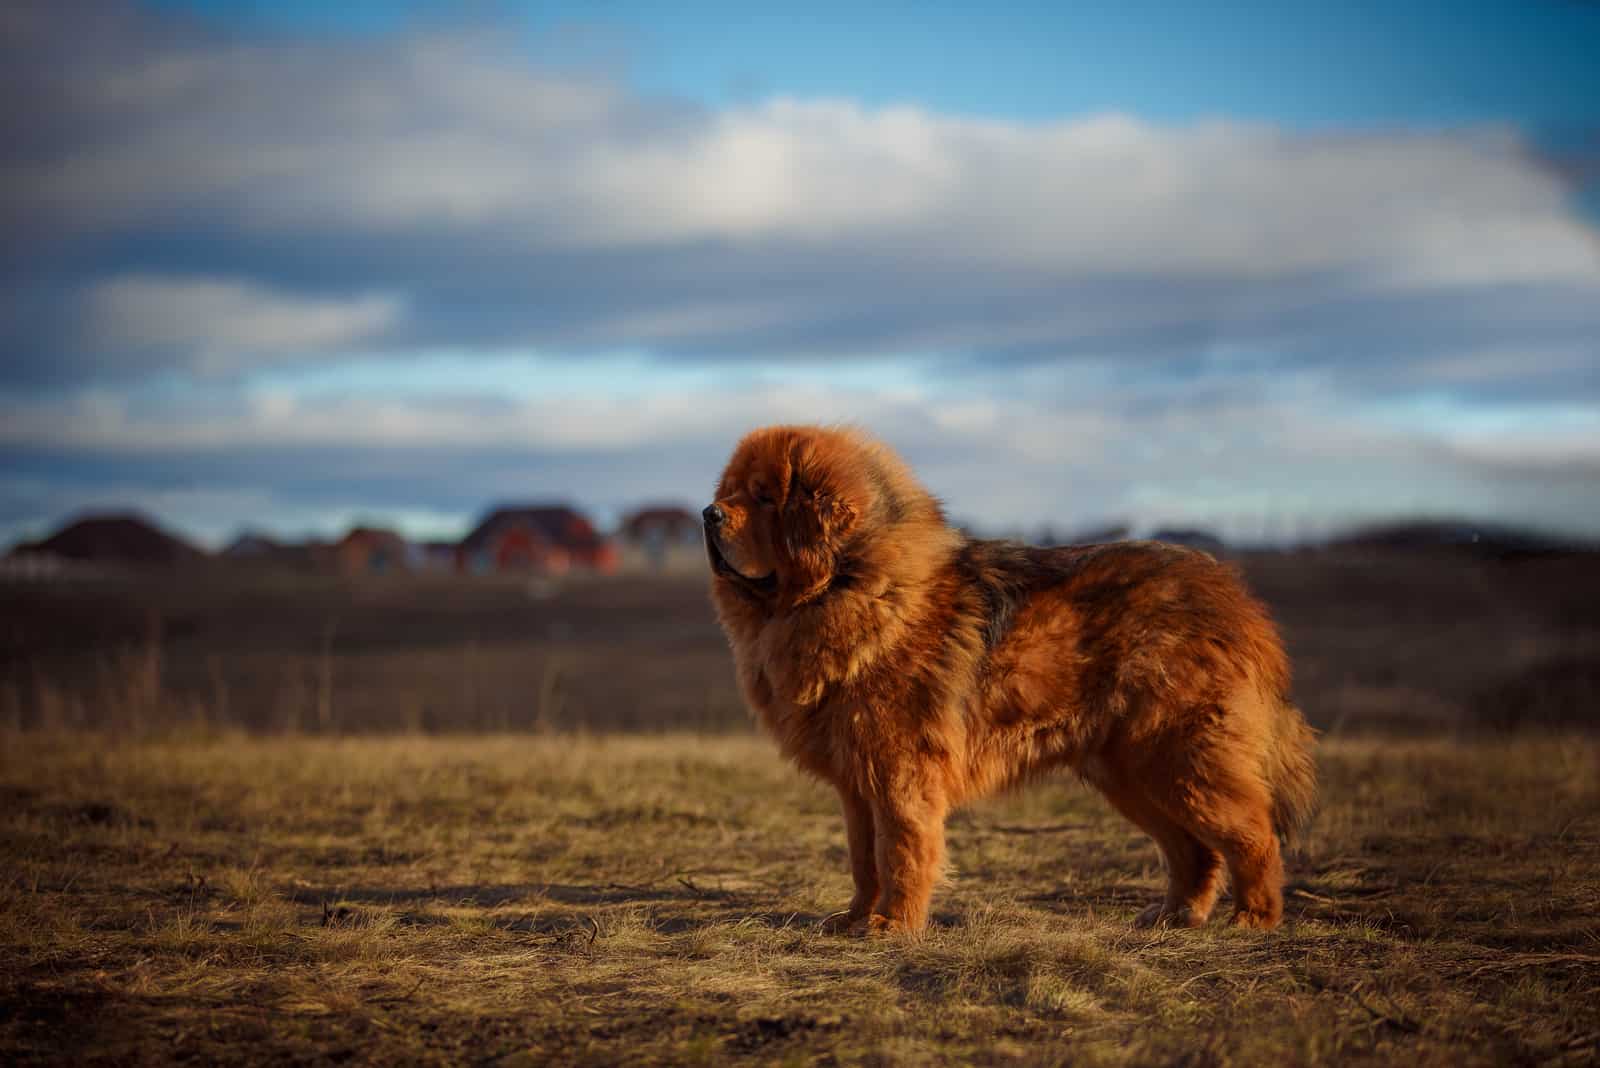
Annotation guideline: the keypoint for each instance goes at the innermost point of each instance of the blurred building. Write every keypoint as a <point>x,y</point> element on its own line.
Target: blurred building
<point>372,551</point>
<point>250,545</point>
<point>542,539</point>
<point>260,551</point>
<point>435,556</point>
<point>662,537</point>
<point>122,540</point>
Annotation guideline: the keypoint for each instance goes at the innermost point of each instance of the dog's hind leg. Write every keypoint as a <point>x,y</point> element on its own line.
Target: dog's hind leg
<point>1255,866</point>
<point>1229,810</point>
<point>1194,869</point>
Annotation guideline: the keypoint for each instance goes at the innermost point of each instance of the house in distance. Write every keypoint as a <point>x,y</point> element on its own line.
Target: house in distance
<point>372,551</point>
<point>117,540</point>
<point>662,537</point>
<point>547,539</point>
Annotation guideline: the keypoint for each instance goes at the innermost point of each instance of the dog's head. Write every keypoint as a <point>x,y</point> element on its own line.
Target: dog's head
<point>790,505</point>
<point>802,510</point>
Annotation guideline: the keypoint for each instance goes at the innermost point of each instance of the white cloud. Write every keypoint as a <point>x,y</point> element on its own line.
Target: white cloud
<point>223,322</point>
<point>395,138</point>
<point>1057,451</point>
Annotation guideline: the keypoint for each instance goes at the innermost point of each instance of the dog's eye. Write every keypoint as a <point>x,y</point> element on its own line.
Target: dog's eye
<point>760,496</point>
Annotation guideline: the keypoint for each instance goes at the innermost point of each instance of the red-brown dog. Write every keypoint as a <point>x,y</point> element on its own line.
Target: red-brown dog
<point>915,668</point>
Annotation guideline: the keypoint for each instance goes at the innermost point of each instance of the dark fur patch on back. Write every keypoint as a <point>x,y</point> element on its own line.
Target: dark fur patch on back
<point>1005,573</point>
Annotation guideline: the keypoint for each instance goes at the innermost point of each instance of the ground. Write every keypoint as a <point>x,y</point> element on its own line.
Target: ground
<point>1399,642</point>
<point>214,897</point>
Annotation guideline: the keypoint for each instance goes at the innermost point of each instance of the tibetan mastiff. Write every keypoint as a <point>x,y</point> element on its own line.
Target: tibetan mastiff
<point>915,668</point>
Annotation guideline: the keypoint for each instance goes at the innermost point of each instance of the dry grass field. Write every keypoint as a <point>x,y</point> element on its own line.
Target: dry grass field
<point>254,818</point>
<point>562,898</point>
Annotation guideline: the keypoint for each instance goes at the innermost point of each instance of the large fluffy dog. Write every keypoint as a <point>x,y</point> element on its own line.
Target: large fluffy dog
<point>915,668</point>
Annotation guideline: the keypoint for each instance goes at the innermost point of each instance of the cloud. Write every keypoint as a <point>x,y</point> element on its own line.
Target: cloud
<point>468,197</point>
<point>223,322</point>
<point>1069,450</point>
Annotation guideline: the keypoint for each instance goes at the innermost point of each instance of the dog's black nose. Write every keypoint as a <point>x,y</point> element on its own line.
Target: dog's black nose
<point>712,515</point>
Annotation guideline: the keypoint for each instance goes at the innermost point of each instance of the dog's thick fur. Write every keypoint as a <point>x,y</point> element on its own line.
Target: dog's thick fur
<point>915,669</point>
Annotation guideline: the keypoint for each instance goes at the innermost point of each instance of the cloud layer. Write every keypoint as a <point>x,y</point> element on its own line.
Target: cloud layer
<point>258,193</point>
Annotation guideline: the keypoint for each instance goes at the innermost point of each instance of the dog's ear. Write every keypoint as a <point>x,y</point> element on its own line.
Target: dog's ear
<point>813,525</point>
<point>811,519</point>
<point>836,516</point>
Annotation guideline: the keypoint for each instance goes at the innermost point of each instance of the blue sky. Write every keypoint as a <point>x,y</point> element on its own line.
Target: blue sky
<point>1290,61</point>
<point>1276,267</point>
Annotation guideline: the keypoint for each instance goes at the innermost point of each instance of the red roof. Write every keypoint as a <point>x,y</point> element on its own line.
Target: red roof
<point>557,524</point>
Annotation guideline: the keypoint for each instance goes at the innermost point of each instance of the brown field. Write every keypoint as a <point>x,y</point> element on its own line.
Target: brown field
<point>524,900</point>
<point>249,819</point>
<point>1399,642</point>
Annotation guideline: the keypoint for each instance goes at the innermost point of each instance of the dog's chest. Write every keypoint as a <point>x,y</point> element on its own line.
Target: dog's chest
<point>813,735</point>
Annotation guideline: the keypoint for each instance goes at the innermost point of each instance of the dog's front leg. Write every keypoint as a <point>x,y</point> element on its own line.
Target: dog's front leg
<point>863,861</point>
<point>909,841</point>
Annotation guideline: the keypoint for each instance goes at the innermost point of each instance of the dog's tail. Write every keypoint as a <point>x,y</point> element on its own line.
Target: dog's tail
<point>1291,772</point>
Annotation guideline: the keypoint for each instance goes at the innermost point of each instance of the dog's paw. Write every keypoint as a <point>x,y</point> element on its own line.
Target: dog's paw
<point>1158,915</point>
<point>880,926</point>
<point>1257,920</point>
<point>844,922</point>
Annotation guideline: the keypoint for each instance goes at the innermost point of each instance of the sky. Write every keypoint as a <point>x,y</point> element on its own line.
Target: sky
<point>1275,269</point>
